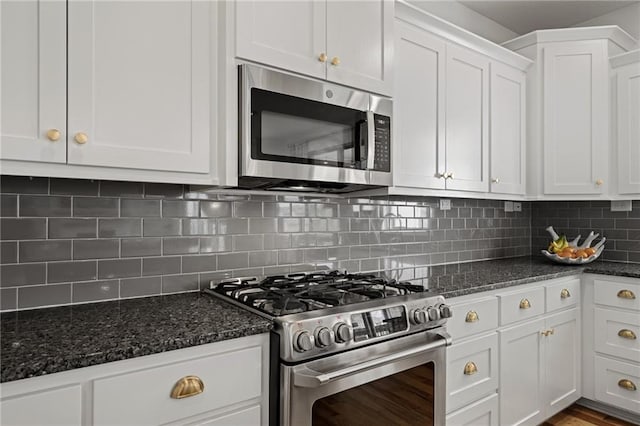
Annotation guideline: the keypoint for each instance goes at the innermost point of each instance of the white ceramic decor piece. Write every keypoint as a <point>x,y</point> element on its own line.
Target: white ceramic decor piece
<point>599,248</point>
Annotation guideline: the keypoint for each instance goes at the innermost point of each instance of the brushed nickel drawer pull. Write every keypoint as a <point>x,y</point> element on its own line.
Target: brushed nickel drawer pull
<point>472,316</point>
<point>525,304</point>
<point>564,294</point>
<point>470,368</point>
<point>627,334</point>
<point>186,387</point>
<point>627,384</point>
<point>626,294</point>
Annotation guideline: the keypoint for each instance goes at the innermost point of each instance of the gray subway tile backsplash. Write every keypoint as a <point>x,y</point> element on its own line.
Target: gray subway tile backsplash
<point>44,206</point>
<point>84,270</point>
<point>96,207</point>
<point>86,241</point>
<point>44,251</point>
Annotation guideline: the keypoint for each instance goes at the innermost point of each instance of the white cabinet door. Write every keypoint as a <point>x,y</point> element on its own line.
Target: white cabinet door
<point>521,374</point>
<point>480,413</point>
<point>418,101</point>
<point>467,120</point>
<point>139,84</point>
<point>284,34</point>
<point>508,129</point>
<point>62,406</point>
<point>575,106</point>
<point>628,110</point>
<point>360,37</point>
<point>562,361</point>
<point>33,84</point>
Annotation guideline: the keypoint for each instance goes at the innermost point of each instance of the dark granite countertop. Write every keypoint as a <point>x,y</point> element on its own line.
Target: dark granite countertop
<point>45,341</point>
<point>468,278</point>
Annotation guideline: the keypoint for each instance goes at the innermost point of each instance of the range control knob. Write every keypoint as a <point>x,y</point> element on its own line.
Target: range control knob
<point>418,316</point>
<point>445,311</point>
<point>343,332</point>
<point>302,341</point>
<point>324,337</point>
<point>434,313</point>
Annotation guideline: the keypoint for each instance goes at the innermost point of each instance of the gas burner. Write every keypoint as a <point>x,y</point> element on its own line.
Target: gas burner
<point>302,292</point>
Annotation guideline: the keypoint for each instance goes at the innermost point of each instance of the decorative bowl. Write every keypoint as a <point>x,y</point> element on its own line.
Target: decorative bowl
<point>599,247</point>
<point>572,261</point>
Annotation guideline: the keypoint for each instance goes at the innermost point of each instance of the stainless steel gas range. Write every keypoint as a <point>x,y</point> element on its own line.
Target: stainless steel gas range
<point>349,349</point>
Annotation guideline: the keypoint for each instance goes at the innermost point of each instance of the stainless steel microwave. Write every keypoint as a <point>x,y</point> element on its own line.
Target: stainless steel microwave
<point>308,135</point>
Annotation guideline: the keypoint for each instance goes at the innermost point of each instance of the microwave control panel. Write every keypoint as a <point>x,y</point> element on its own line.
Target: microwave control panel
<point>382,157</point>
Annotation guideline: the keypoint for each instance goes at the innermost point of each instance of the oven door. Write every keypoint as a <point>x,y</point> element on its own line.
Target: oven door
<point>301,129</point>
<point>400,381</point>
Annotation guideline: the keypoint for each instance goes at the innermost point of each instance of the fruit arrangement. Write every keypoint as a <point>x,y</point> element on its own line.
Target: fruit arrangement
<point>570,252</point>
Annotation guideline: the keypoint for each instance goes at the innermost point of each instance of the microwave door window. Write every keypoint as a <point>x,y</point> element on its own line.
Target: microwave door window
<point>305,138</point>
<point>294,130</point>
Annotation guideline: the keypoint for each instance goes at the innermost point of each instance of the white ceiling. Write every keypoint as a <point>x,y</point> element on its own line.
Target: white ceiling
<point>525,16</point>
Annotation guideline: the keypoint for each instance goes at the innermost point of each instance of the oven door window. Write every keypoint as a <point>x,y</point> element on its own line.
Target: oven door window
<point>295,130</point>
<point>405,398</point>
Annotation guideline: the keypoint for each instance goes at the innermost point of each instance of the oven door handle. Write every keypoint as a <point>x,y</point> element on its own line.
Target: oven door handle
<point>308,378</point>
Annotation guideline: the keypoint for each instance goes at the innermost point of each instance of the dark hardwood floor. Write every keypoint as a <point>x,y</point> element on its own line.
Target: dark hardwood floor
<point>577,415</point>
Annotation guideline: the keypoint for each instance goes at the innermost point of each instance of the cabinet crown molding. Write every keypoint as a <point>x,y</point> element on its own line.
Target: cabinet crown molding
<point>625,58</point>
<point>613,33</point>
<point>415,16</point>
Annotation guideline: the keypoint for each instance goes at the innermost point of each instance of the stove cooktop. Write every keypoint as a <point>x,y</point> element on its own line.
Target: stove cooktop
<point>296,293</point>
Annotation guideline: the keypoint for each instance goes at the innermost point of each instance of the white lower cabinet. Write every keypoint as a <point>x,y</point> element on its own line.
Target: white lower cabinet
<point>521,372</point>
<point>221,383</point>
<point>611,352</point>
<point>516,354</point>
<point>61,406</point>
<point>540,368</point>
<point>480,413</point>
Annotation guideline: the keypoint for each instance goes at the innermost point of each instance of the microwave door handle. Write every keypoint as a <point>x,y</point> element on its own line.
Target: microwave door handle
<point>371,140</point>
<point>308,378</point>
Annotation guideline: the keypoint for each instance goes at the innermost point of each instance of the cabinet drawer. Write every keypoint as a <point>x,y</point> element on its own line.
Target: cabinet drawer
<point>472,318</point>
<point>56,407</point>
<point>521,305</point>
<point>617,294</point>
<point>563,294</point>
<point>617,333</point>
<point>247,417</point>
<point>144,397</point>
<point>610,380</point>
<point>481,413</point>
<point>472,371</point>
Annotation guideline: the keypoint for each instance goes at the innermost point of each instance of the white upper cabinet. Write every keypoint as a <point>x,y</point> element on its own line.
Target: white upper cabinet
<point>287,34</point>
<point>33,88</point>
<point>360,44</point>
<point>569,146</point>
<point>508,129</point>
<point>418,98</point>
<point>448,96</point>
<point>139,85</point>
<point>467,120</point>
<point>346,42</point>
<point>627,124</point>
<point>576,122</point>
